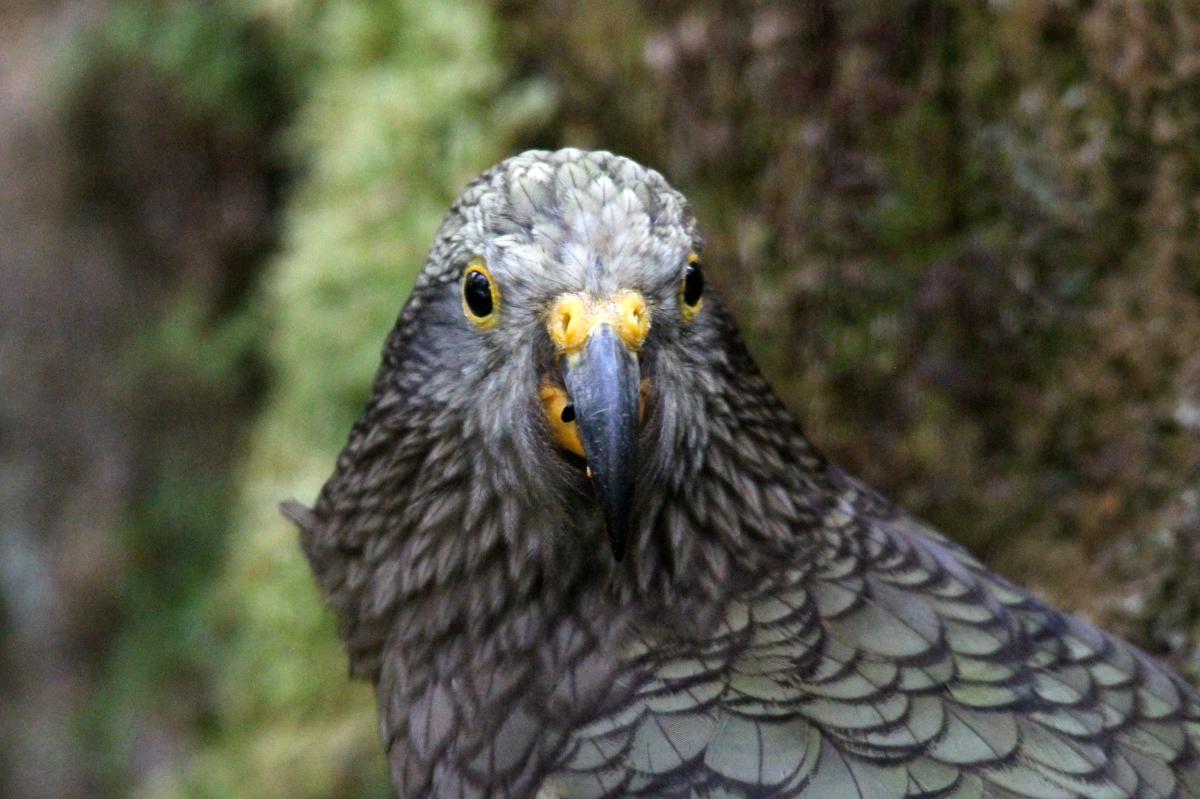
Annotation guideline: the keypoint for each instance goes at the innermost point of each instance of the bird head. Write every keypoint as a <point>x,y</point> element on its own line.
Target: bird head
<point>563,416</point>
<point>563,307</point>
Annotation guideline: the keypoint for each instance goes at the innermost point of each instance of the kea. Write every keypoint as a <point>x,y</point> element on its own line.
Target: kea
<point>581,549</point>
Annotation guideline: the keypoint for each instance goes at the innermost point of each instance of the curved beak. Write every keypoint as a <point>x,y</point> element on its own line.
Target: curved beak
<point>603,380</point>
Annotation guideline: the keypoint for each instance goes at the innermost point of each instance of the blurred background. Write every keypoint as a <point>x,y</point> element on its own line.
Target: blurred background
<point>962,239</point>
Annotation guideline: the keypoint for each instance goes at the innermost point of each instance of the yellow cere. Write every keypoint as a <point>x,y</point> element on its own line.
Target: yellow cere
<point>570,323</point>
<point>574,316</point>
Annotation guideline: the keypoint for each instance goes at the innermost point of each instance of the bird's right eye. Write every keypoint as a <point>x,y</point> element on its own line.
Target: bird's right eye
<point>691,288</point>
<point>480,297</point>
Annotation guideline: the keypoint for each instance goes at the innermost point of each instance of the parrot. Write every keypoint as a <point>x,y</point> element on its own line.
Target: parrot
<point>581,549</point>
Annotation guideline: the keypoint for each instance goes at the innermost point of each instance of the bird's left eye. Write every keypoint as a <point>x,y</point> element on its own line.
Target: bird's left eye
<point>480,296</point>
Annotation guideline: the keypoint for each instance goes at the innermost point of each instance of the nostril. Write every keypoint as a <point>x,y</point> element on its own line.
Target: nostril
<point>634,318</point>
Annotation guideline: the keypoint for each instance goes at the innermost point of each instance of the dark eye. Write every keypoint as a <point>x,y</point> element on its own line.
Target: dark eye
<point>480,296</point>
<point>477,291</point>
<point>693,283</point>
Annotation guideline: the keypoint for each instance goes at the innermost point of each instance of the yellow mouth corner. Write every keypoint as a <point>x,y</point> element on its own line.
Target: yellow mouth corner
<point>574,316</point>
<point>565,431</point>
<point>563,427</point>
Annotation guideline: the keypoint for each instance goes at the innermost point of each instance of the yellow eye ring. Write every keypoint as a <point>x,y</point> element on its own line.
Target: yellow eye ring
<point>480,295</point>
<point>691,289</point>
